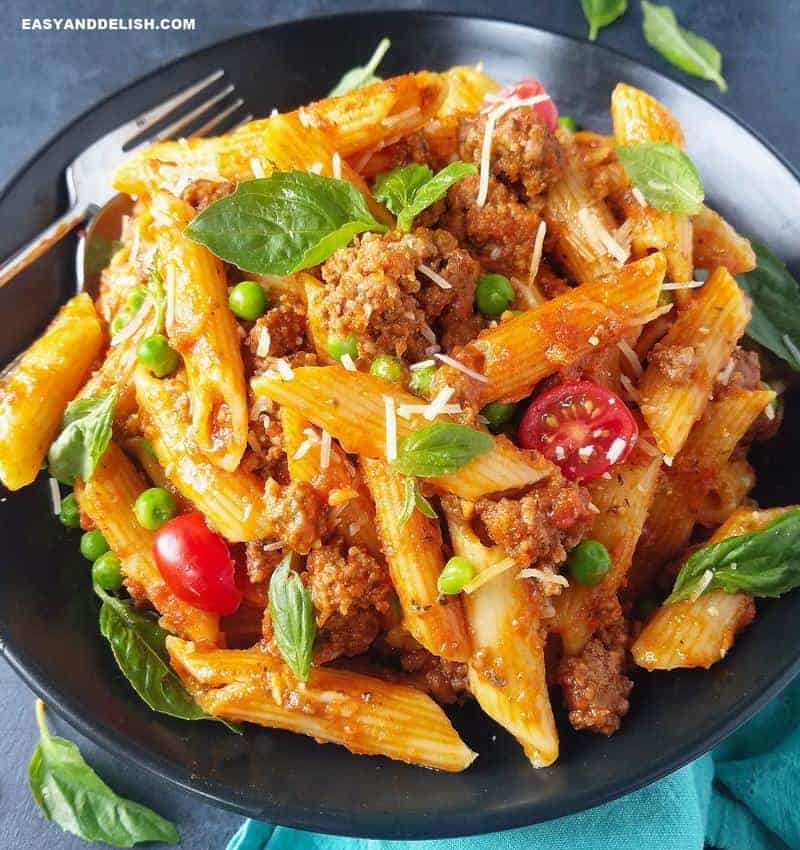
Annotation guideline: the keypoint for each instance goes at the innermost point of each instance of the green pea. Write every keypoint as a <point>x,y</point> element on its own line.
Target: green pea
<point>493,294</point>
<point>247,300</point>
<point>498,413</point>
<point>70,514</point>
<point>119,321</point>
<point>589,562</point>
<point>135,299</point>
<point>154,507</point>
<point>107,572</point>
<point>93,545</point>
<point>156,354</point>
<point>421,380</point>
<point>456,573</point>
<point>567,122</point>
<point>338,346</point>
<point>389,368</point>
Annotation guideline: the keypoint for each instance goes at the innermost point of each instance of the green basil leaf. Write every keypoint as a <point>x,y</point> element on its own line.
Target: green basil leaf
<point>665,175</point>
<point>362,75</point>
<point>292,614</point>
<point>775,322</point>
<point>601,13</point>
<point>72,795</point>
<point>763,563</point>
<point>139,647</point>
<point>410,189</point>
<point>85,435</point>
<point>413,498</point>
<point>283,223</point>
<point>681,47</point>
<point>440,449</point>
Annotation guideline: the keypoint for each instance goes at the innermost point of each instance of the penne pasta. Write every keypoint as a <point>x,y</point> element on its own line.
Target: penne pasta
<point>716,243</point>
<point>36,389</point>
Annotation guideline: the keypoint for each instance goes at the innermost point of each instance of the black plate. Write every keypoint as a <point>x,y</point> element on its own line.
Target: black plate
<point>48,620</point>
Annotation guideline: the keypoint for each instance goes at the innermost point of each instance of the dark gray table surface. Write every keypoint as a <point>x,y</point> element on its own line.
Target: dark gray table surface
<point>48,78</point>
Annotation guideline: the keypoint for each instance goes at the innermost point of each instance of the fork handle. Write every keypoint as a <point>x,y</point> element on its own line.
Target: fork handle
<point>39,244</point>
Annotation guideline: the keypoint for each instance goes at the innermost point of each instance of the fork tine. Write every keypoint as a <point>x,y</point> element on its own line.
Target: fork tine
<point>218,119</point>
<point>172,129</point>
<point>147,119</point>
<point>246,120</point>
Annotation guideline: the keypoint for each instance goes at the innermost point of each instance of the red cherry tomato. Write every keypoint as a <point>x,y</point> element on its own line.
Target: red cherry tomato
<point>546,110</point>
<point>581,427</point>
<point>196,564</point>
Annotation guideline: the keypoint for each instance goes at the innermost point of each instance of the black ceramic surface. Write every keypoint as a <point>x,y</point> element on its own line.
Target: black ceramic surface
<point>48,624</point>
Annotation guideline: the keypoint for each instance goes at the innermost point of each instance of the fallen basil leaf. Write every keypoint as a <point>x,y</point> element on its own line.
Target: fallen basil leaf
<point>413,498</point>
<point>72,795</point>
<point>283,223</point>
<point>292,614</point>
<point>85,435</point>
<point>440,449</point>
<point>775,294</point>
<point>763,563</point>
<point>139,647</point>
<point>601,13</point>
<point>681,47</point>
<point>665,176</point>
<point>362,75</point>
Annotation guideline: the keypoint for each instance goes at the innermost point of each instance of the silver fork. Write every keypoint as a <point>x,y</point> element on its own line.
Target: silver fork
<point>89,174</point>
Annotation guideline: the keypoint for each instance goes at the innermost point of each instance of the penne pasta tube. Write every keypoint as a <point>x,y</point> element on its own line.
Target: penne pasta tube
<point>364,714</point>
<point>108,499</point>
<point>36,389</point>
<point>351,407</point>
<point>716,243</point>
<point>414,557</point>
<point>673,394</point>
<point>519,353</point>
<point>507,669</point>
<point>231,501</point>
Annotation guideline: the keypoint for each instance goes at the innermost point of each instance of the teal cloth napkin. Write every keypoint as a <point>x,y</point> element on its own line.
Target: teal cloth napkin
<point>745,795</point>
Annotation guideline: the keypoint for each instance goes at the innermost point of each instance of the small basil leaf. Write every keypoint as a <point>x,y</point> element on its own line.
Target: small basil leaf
<point>775,322</point>
<point>72,795</point>
<point>283,223</point>
<point>413,498</point>
<point>139,647</point>
<point>440,449</point>
<point>601,13</point>
<point>361,76</point>
<point>681,47</point>
<point>423,505</point>
<point>665,175</point>
<point>411,189</point>
<point>763,563</point>
<point>292,614</point>
<point>85,435</point>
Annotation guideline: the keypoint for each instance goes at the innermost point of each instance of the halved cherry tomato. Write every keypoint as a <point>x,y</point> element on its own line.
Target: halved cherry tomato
<point>196,564</point>
<point>583,428</point>
<point>546,110</point>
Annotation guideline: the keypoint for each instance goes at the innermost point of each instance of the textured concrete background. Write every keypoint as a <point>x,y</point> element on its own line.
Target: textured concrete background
<point>49,78</point>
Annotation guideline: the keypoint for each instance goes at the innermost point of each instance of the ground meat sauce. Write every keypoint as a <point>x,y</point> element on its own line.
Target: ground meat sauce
<point>594,683</point>
<point>280,331</point>
<point>296,513</point>
<point>445,681</point>
<point>202,193</point>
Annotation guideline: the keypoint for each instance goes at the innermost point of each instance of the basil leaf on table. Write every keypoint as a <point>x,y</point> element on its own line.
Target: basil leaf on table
<point>362,75</point>
<point>410,189</point>
<point>601,13</point>
<point>412,499</point>
<point>283,223</point>
<point>85,435</point>
<point>72,795</point>
<point>681,47</point>
<point>139,647</point>
<point>440,449</point>
<point>775,294</point>
<point>293,622</point>
<point>665,176</point>
<point>763,563</point>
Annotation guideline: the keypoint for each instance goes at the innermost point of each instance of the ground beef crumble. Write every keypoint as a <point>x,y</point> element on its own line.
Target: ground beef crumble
<point>594,684</point>
<point>283,326</point>
<point>202,193</point>
<point>296,513</point>
<point>445,681</point>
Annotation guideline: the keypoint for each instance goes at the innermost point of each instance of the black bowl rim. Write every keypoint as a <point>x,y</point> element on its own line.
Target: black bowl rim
<point>339,823</point>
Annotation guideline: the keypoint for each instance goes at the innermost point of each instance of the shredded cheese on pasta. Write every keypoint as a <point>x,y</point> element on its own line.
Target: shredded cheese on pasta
<point>347,362</point>
<point>538,247</point>
<point>55,495</point>
<point>436,407</point>
<point>434,276</point>
<point>336,165</point>
<point>488,574</point>
<point>325,450</point>
<point>462,368</point>
<point>257,168</point>
<point>630,355</point>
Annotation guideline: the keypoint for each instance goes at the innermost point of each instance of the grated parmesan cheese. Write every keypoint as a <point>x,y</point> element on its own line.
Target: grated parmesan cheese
<point>347,362</point>
<point>687,284</point>
<point>488,574</point>
<point>400,117</point>
<point>661,311</point>
<point>593,340</point>
<point>462,368</point>
<point>727,370</point>
<point>648,447</point>
<point>428,333</point>
<point>316,167</point>
<point>599,234</point>
<point>423,364</point>
<point>406,411</point>
<point>273,547</point>
<point>630,355</point>
<point>264,343</point>
<point>668,460</point>
<point>284,369</point>
<point>434,276</point>
<point>615,450</point>
<point>391,428</point>
<point>629,388</point>
<point>325,450</point>
<point>257,168</point>
<point>543,577</point>
<point>436,407</point>
<point>55,495</point>
<point>538,247</point>
<point>336,165</point>
<point>639,196</point>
